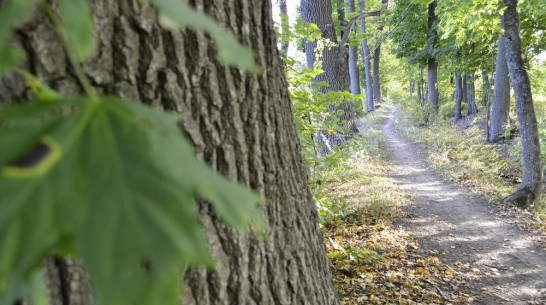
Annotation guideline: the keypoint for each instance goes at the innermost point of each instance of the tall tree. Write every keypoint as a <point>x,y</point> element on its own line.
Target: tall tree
<point>343,48</point>
<point>501,93</point>
<point>531,185</point>
<point>432,63</point>
<point>320,13</point>
<point>471,94</point>
<point>459,93</point>
<point>366,58</point>
<point>239,122</point>
<point>353,57</point>
<point>285,27</point>
<point>377,60</point>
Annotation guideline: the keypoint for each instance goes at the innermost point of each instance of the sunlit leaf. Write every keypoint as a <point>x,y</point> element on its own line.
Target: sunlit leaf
<point>114,183</point>
<point>78,26</point>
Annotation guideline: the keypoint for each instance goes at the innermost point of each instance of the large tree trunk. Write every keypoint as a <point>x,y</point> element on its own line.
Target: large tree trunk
<point>501,93</point>
<point>353,58</point>
<point>531,185</point>
<point>366,59</point>
<point>432,63</point>
<point>239,122</point>
<point>320,13</point>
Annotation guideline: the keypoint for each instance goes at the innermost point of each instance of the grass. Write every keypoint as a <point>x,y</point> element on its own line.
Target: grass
<point>491,170</point>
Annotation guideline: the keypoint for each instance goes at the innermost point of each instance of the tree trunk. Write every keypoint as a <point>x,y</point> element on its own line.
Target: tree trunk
<point>376,80</point>
<point>432,63</point>
<point>377,61</point>
<point>343,23</point>
<point>458,96</point>
<point>285,29</point>
<point>531,185</point>
<point>367,65</point>
<point>420,89</point>
<point>411,89</point>
<point>353,58</point>
<point>500,108</point>
<point>320,13</point>
<point>238,122</point>
<point>471,95</point>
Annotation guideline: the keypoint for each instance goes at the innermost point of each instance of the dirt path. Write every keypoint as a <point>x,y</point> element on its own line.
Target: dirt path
<point>465,230</point>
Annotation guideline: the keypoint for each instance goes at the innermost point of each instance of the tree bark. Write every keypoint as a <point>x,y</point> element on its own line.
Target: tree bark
<point>458,96</point>
<point>366,59</point>
<point>432,63</point>
<point>376,80</point>
<point>471,95</point>
<point>501,94</point>
<point>353,58</point>
<point>320,13</point>
<point>238,122</point>
<point>377,61</point>
<point>343,23</point>
<point>420,89</point>
<point>531,185</point>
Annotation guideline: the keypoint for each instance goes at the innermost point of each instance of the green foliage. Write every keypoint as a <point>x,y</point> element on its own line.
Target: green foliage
<point>106,180</point>
<point>78,25</point>
<point>108,183</point>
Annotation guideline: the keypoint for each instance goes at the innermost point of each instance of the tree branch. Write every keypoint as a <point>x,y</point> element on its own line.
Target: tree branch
<point>352,23</point>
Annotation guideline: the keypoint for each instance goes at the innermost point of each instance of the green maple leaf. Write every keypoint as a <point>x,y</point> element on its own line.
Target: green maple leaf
<point>113,183</point>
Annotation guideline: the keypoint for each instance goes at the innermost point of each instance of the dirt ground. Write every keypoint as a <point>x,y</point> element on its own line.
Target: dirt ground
<point>466,231</point>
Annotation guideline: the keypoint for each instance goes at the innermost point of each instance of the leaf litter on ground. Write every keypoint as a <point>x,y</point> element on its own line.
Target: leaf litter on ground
<point>372,259</point>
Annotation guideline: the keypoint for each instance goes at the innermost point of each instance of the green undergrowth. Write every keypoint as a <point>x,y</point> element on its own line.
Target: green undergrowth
<point>374,261</point>
<point>355,177</point>
<point>462,154</point>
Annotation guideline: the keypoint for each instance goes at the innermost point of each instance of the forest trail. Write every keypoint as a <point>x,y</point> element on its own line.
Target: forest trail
<point>465,230</point>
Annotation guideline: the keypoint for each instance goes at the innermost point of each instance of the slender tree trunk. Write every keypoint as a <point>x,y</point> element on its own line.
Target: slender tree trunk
<point>367,65</point>
<point>531,185</point>
<point>376,80</point>
<point>238,122</point>
<point>432,63</point>
<point>353,58</point>
<point>320,13</point>
<point>458,96</point>
<point>420,89</point>
<point>411,89</point>
<point>285,29</point>
<point>500,108</point>
<point>377,61</point>
<point>343,23</point>
<point>471,95</point>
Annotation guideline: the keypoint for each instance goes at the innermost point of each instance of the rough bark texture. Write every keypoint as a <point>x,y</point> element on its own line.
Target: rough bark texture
<point>353,58</point>
<point>320,13</point>
<point>432,63</point>
<point>531,184</point>
<point>240,123</point>
<point>501,94</point>
<point>366,59</point>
